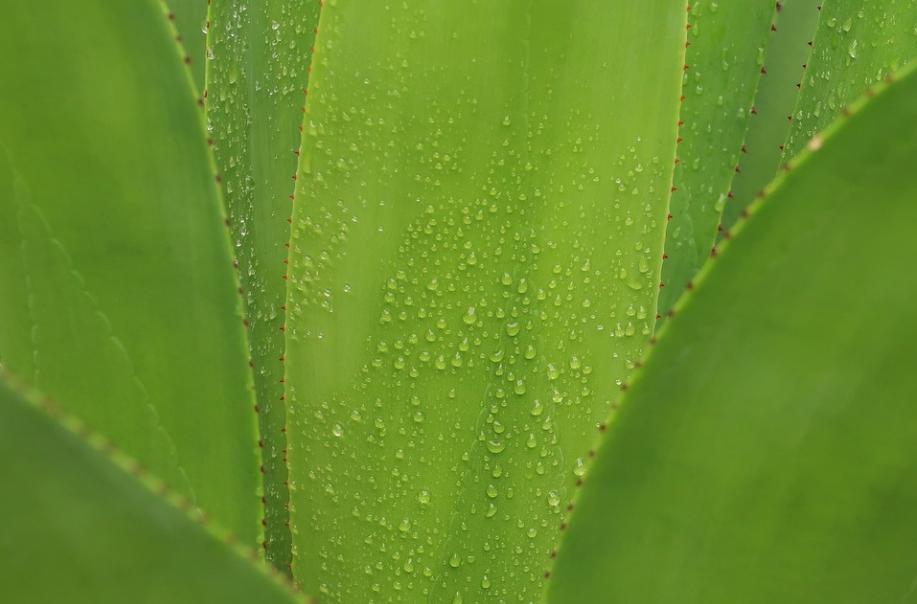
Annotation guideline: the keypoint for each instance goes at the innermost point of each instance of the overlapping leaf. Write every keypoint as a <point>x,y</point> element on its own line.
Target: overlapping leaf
<point>81,529</point>
<point>766,451</point>
<point>726,47</point>
<point>256,78</point>
<point>119,298</point>
<point>787,59</point>
<point>190,18</point>
<point>857,44</point>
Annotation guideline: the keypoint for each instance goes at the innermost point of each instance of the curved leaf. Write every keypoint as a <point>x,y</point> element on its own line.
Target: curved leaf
<point>766,451</point>
<point>119,263</point>
<point>787,57</point>
<point>856,45</point>
<point>476,250</point>
<point>727,41</point>
<point>190,17</point>
<point>81,529</point>
<point>255,81</point>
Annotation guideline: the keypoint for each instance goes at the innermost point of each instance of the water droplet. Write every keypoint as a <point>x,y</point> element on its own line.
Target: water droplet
<point>579,468</point>
<point>495,446</point>
<point>470,317</point>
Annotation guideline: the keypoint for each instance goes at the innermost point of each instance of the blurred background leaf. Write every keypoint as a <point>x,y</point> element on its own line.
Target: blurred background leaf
<point>83,530</point>
<point>119,295</point>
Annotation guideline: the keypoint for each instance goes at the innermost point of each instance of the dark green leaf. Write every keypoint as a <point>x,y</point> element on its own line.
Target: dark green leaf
<point>119,293</point>
<point>255,84</point>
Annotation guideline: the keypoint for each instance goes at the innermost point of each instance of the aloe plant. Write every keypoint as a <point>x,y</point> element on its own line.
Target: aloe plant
<point>342,299</point>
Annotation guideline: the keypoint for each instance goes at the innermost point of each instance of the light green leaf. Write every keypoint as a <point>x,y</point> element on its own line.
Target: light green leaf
<point>766,451</point>
<point>857,44</point>
<point>475,259</point>
<point>81,529</point>
<point>119,294</point>
<point>787,56</point>
<point>255,81</point>
<point>727,41</point>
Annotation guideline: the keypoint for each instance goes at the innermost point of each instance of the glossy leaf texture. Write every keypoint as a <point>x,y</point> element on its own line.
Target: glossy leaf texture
<point>88,525</point>
<point>256,79</point>
<point>765,453</point>
<point>857,44</point>
<point>190,18</point>
<point>727,42</point>
<point>771,118</point>
<point>119,298</point>
<point>477,240</point>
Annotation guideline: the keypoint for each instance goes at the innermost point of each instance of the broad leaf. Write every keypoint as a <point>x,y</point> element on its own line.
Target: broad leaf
<point>475,259</point>
<point>119,298</point>
<point>82,529</point>
<point>726,46</point>
<point>787,57</point>
<point>260,52</point>
<point>766,451</point>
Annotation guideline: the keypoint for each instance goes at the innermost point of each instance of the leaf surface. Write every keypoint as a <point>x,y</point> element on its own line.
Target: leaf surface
<point>190,17</point>
<point>857,44</point>
<point>118,262</point>
<point>765,453</point>
<point>257,73</point>
<point>82,529</point>
<point>727,42</point>
<point>787,56</point>
<point>477,240</point>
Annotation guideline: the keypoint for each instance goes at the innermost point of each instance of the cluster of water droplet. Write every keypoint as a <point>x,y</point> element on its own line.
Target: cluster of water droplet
<point>258,56</point>
<point>473,277</point>
<point>856,46</point>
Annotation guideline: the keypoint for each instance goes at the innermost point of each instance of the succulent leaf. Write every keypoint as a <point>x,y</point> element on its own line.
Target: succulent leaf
<point>765,453</point>
<point>119,294</point>
<point>857,44</point>
<point>190,18</point>
<point>89,525</point>
<point>787,57</point>
<point>477,239</point>
<point>726,48</point>
<point>256,78</point>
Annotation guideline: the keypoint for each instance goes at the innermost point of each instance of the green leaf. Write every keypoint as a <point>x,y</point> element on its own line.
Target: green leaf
<point>726,47</point>
<point>787,55</point>
<point>255,82</point>
<point>119,294</point>
<point>766,451</point>
<point>476,250</point>
<point>857,44</point>
<point>81,529</point>
<point>190,17</point>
